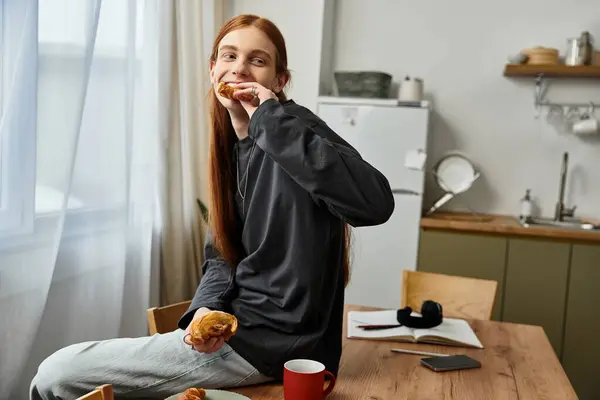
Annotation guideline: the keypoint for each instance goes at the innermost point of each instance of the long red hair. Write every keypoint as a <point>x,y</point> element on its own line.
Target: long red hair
<point>223,224</point>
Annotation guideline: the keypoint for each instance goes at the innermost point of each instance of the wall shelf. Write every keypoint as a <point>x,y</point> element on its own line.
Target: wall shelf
<point>556,71</point>
<point>541,72</point>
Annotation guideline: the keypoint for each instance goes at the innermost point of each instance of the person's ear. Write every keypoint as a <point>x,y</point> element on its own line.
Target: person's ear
<point>212,71</point>
<point>282,80</point>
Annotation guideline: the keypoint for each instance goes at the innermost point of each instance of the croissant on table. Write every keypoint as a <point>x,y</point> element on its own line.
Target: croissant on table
<point>213,324</point>
<point>192,394</point>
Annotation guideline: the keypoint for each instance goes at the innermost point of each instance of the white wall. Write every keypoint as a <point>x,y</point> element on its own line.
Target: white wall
<point>459,48</point>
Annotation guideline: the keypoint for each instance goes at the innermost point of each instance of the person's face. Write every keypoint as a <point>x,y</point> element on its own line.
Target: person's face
<point>245,55</point>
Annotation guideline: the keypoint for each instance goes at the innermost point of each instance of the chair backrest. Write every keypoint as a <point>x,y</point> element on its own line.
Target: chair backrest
<point>164,319</point>
<point>104,392</point>
<point>460,297</point>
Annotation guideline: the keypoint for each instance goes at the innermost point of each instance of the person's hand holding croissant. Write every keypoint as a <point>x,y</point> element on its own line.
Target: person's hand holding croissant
<point>209,329</point>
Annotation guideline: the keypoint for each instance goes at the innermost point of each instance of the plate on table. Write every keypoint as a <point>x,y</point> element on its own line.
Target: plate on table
<point>212,394</point>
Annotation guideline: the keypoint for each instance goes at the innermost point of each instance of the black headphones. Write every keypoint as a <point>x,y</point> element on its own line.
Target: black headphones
<point>431,312</point>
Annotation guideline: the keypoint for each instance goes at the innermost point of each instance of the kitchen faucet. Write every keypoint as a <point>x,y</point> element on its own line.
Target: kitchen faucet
<point>561,211</point>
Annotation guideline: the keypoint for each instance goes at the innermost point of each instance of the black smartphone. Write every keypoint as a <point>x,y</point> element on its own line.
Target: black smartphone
<point>450,363</point>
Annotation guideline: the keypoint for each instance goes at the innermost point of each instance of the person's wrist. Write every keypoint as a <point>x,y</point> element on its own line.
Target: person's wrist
<point>201,311</point>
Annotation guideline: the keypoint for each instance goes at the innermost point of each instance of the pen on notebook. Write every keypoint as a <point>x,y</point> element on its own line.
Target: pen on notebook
<point>422,353</point>
<point>377,327</point>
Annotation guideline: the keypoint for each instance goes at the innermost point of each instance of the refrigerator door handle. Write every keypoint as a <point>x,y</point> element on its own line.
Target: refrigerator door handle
<point>405,191</point>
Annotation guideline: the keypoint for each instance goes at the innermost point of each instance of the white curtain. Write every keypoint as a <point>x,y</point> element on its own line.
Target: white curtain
<point>194,26</point>
<point>82,125</point>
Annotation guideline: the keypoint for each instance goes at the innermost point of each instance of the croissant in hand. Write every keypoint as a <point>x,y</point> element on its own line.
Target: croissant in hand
<point>213,324</point>
<point>227,91</point>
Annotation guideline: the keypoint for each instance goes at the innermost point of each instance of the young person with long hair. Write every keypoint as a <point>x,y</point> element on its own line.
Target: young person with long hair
<point>284,189</point>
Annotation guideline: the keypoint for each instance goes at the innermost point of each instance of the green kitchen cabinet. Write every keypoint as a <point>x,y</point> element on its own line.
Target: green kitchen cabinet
<point>581,350</point>
<point>535,291</point>
<point>461,254</point>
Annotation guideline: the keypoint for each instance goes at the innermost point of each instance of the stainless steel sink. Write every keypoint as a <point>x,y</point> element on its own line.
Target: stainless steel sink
<point>566,223</point>
<point>563,217</point>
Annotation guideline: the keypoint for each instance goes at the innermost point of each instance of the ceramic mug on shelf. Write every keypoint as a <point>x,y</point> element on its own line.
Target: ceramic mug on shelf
<point>587,126</point>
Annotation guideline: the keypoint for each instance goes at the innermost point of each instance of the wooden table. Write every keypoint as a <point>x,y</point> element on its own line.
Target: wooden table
<point>518,362</point>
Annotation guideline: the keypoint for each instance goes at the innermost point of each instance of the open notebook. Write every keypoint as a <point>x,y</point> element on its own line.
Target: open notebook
<point>451,332</point>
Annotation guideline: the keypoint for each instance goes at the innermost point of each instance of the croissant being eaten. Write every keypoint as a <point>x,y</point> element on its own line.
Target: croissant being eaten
<point>225,90</point>
<point>213,324</point>
<point>192,394</point>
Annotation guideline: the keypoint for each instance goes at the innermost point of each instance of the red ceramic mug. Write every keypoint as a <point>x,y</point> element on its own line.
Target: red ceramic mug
<point>304,380</point>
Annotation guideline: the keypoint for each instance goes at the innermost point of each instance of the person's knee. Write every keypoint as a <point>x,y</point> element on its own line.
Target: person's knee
<point>55,377</point>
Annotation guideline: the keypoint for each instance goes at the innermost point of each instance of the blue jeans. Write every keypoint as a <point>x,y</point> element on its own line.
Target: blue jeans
<point>153,367</point>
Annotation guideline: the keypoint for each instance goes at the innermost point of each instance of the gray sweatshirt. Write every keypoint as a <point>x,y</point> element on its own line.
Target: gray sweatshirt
<point>298,183</point>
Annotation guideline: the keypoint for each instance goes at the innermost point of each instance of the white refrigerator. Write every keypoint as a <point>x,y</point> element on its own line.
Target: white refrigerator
<point>393,139</point>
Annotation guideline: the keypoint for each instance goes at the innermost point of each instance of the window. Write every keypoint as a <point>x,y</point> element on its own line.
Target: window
<point>18,72</point>
<point>2,78</point>
<point>67,90</point>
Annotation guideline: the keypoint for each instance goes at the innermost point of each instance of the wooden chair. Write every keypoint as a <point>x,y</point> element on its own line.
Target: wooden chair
<point>164,319</point>
<point>104,392</point>
<point>460,297</point>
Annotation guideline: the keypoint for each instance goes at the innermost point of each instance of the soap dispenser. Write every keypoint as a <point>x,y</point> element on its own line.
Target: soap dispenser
<point>526,206</point>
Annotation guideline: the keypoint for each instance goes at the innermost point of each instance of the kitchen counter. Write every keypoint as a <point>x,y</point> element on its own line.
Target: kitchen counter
<point>501,225</point>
